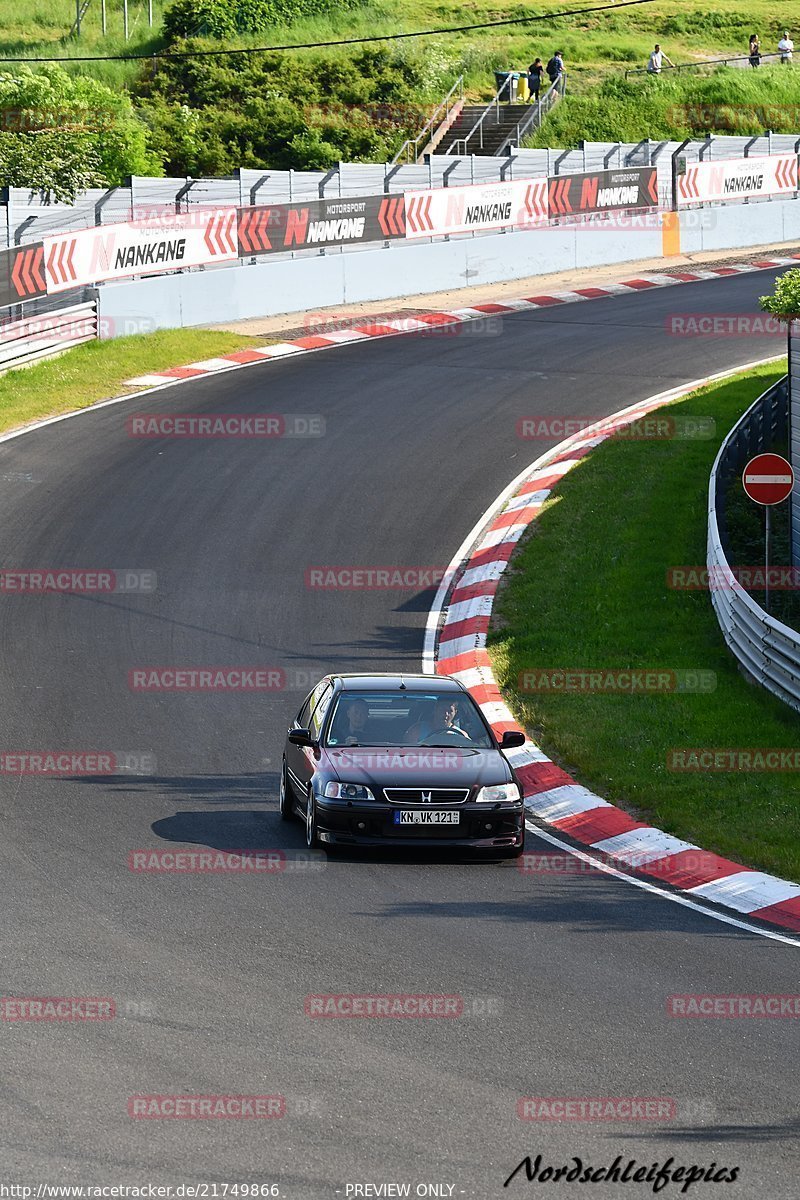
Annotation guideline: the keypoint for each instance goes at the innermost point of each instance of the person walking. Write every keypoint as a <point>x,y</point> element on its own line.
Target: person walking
<point>656,59</point>
<point>535,73</point>
<point>786,47</point>
<point>755,50</point>
<point>555,68</point>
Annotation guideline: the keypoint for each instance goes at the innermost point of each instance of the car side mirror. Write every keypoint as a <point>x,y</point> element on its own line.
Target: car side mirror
<point>512,738</point>
<point>301,737</point>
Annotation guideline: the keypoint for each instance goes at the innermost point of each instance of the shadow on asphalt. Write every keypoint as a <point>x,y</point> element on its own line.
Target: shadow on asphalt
<point>774,1131</point>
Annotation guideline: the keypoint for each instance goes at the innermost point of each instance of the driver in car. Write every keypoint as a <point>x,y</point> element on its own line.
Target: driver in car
<point>444,722</point>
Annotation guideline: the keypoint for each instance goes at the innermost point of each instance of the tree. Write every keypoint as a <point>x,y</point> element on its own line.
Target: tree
<point>62,133</point>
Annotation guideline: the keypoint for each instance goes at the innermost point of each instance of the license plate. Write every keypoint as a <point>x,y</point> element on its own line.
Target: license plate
<point>425,816</point>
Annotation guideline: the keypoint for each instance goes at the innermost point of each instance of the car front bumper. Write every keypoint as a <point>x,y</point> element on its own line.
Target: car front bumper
<point>480,826</point>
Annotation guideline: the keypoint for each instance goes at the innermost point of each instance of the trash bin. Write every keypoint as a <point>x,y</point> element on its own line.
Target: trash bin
<point>514,85</point>
<point>523,92</point>
<point>500,78</point>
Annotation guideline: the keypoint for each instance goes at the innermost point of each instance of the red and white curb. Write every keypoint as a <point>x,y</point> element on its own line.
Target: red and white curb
<point>456,645</point>
<point>377,327</point>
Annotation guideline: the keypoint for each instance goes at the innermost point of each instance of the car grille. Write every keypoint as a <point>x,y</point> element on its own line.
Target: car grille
<point>426,796</point>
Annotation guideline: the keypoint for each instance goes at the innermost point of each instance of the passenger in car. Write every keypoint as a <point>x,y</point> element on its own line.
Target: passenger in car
<point>351,723</point>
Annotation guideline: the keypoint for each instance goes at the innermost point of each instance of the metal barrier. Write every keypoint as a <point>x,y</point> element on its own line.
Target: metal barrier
<point>44,335</point>
<point>739,60</point>
<point>767,649</point>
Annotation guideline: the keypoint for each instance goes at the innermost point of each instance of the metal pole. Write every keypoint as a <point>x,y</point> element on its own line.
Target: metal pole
<point>103,15</point>
<point>766,557</point>
<point>150,13</point>
<point>125,18</point>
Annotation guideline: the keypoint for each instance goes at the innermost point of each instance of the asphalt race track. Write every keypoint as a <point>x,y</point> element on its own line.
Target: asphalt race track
<point>564,978</point>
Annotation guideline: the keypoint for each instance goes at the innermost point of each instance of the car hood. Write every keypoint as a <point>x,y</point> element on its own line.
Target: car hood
<point>421,766</point>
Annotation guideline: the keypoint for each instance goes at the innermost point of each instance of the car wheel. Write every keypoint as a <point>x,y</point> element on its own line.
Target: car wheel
<point>312,838</point>
<point>285,798</point>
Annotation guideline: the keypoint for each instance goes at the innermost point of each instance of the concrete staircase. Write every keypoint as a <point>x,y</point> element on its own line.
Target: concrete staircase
<point>493,132</point>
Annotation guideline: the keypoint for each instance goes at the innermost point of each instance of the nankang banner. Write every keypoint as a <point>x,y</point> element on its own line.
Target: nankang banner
<point>438,211</point>
<point>339,221</point>
<point>163,242</point>
<point>737,178</point>
<point>603,191</point>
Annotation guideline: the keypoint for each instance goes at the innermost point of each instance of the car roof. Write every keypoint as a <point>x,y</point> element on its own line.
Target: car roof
<point>400,682</point>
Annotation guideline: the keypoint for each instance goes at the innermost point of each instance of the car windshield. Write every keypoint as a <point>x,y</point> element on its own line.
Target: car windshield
<point>447,719</point>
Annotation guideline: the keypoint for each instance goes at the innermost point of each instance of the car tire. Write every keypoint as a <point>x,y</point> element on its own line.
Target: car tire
<point>312,837</point>
<point>285,797</point>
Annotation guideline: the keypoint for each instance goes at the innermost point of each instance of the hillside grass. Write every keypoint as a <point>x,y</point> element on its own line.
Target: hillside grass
<point>588,589</point>
<point>593,45</point>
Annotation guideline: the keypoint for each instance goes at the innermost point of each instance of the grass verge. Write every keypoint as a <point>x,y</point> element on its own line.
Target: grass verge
<point>98,370</point>
<point>587,590</point>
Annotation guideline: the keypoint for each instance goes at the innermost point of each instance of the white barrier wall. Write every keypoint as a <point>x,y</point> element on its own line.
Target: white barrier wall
<point>273,286</point>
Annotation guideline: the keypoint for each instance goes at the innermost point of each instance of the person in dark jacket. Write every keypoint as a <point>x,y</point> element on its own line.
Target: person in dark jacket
<point>535,73</point>
<point>555,68</point>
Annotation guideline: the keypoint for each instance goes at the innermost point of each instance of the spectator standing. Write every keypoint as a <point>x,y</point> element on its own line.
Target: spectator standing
<point>785,47</point>
<point>535,73</point>
<point>755,50</point>
<point>656,59</point>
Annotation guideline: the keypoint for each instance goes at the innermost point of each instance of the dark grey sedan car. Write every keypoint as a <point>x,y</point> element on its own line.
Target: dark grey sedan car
<point>393,760</point>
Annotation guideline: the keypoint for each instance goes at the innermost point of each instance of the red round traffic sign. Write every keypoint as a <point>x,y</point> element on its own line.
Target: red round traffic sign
<point>768,478</point>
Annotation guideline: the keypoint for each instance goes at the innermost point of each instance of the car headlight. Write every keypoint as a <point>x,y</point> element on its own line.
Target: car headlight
<point>347,791</point>
<point>499,793</point>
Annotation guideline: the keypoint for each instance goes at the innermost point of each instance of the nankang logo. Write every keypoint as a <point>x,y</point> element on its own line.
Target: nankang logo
<point>345,229</point>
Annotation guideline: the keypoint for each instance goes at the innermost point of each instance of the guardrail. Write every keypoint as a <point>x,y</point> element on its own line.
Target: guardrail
<point>767,649</point>
<point>409,152</point>
<point>47,334</point>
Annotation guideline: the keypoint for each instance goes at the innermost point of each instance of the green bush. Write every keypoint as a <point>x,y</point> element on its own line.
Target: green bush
<point>208,116</point>
<point>224,18</point>
<point>62,133</point>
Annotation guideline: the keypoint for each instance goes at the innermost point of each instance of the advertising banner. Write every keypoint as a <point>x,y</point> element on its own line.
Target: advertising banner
<point>603,191</point>
<point>22,274</point>
<point>338,221</point>
<point>438,211</point>
<point>737,178</point>
<point>165,242</point>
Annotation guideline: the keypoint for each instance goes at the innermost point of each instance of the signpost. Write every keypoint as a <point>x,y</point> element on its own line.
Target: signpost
<point>768,479</point>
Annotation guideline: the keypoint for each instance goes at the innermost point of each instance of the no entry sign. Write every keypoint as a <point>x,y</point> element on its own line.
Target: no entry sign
<point>768,479</point>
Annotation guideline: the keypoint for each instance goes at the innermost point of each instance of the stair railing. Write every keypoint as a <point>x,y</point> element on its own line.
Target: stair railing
<point>409,151</point>
<point>534,118</point>
<point>462,145</point>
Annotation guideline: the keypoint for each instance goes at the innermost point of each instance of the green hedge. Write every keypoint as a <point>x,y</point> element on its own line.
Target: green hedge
<point>225,18</point>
